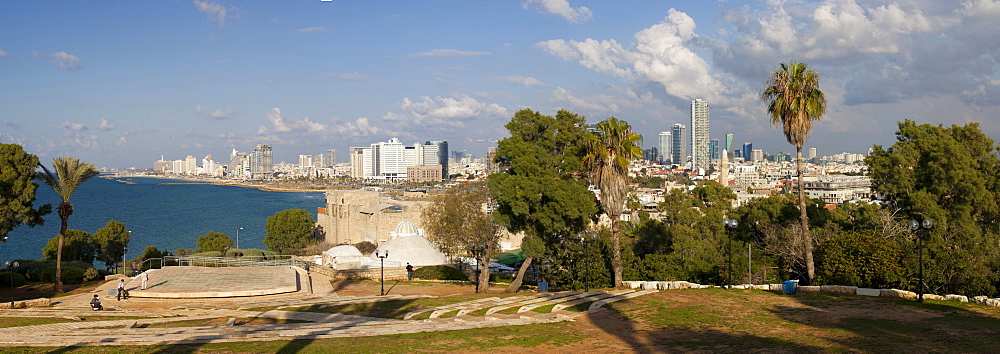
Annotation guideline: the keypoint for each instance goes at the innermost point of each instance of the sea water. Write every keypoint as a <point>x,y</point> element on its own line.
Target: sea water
<point>165,213</point>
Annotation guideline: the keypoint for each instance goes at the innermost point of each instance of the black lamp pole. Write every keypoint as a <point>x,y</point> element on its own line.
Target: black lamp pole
<point>12,266</point>
<point>730,225</point>
<point>382,261</point>
<point>915,227</point>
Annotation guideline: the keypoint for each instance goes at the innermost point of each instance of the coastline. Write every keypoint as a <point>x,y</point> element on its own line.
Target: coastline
<point>269,187</point>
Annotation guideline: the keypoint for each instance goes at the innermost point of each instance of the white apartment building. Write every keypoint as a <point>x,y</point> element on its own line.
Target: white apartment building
<point>701,156</point>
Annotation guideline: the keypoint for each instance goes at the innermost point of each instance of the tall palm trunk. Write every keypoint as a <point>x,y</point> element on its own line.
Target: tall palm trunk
<point>65,210</point>
<point>804,220</point>
<point>516,284</point>
<point>616,248</point>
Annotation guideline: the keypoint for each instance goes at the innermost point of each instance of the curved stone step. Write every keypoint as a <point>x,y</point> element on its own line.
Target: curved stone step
<point>569,304</point>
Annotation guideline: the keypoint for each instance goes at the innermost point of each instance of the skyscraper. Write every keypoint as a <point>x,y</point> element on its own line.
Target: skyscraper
<point>700,154</point>
<point>262,162</point>
<point>331,158</point>
<point>812,153</point>
<point>679,149</point>
<point>357,159</point>
<point>729,144</point>
<point>436,153</point>
<point>747,148</point>
<point>663,149</point>
<point>713,149</point>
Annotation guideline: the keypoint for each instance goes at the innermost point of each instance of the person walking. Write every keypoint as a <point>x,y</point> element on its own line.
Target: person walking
<point>135,268</point>
<point>409,271</point>
<point>145,279</point>
<point>121,290</point>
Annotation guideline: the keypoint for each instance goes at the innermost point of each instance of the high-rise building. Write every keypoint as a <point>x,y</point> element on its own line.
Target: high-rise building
<point>663,149</point>
<point>756,155</point>
<point>729,144</point>
<point>357,160</point>
<point>700,154</point>
<point>812,153</point>
<point>679,146</point>
<point>190,165</point>
<point>713,148</point>
<point>262,162</point>
<point>389,159</point>
<point>747,148</point>
<point>651,154</point>
<point>436,153</point>
<point>331,158</point>
<point>305,161</point>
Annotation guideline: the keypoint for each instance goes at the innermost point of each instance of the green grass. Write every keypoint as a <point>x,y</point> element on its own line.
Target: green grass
<point>6,322</point>
<point>395,309</point>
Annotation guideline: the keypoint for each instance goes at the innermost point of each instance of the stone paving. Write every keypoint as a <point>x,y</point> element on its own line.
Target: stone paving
<point>312,289</point>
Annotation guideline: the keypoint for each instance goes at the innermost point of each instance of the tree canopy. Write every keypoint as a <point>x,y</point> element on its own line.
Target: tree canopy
<point>77,246</point>
<point>458,224</point>
<point>289,230</point>
<point>214,241</point>
<point>950,175</point>
<point>111,241</point>
<point>17,190</point>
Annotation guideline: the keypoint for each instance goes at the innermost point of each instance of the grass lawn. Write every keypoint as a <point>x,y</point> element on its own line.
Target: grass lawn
<point>711,320</point>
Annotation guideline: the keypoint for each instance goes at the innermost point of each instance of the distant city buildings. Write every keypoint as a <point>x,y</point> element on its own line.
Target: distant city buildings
<point>679,146</point>
<point>391,161</point>
<point>700,153</point>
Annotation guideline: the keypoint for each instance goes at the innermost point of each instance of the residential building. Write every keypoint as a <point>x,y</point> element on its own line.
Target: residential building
<point>700,155</point>
<point>664,147</point>
<point>679,146</point>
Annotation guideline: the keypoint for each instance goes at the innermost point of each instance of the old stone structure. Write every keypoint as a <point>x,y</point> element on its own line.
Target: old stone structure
<point>352,216</point>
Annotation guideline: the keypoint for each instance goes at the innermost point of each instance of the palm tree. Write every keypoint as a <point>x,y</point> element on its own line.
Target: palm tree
<point>794,101</point>
<point>70,173</point>
<point>610,151</point>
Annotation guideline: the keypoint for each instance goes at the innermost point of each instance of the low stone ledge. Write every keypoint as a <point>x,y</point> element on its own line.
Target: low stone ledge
<point>839,289</point>
<point>633,284</point>
<point>775,287</point>
<point>810,288</point>
<point>649,285</point>
<point>902,294</point>
<point>40,302</point>
<point>992,302</point>
<point>868,292</point>
<point>953,297</point>
<point>933,297</point>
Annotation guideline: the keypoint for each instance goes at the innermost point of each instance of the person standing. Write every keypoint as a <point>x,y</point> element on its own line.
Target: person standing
<point>135,268</point>
<point>409,271</point>
<point>121,290</point>
<point>145,279</point>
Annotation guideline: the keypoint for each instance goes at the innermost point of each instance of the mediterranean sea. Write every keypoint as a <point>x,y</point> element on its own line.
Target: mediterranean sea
<point>165,213</point>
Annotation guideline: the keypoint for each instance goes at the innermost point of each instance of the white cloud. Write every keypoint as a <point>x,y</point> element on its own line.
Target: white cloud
<point>122,141</point>
<point>449,110</point>
<point>281,124</point>
<point>105,125</point>
<point>222,114</point>
<point>310,29</point>
<point>213,10</point>
<point>525,81</point>
<point>65,60</point>
<point>75,127</point>
<point>352,76</point>
<point>449,53</point>
<point>3,53</point>
<point>566,98</point>
<point>361,127</point>
<point>562,8</point>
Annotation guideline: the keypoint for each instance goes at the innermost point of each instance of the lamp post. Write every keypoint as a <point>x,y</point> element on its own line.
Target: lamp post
<point>382,261</point>
<point>730,225</point>
<point>124,253</point>
<point>238,237</point>
<point>915,226</point>
<point>12,266</point>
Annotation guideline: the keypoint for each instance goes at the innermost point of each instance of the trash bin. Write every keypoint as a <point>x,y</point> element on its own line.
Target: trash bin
<point>788,287</point>
<point>543,286</point>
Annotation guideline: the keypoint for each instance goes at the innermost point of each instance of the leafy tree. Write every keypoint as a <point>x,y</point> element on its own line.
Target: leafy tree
<point>69,174</point>
<point>794,101</point>
<point>150,252</point>
<point>949,175</point>
<point>864,259</point>
<point>537,191</point>
<point>289,230</point>
<point>111,241</point>
<point>459,226</point>
<point>610,152</point>
<point>214,241</point>
<point>17,190</point>
<point>77,246</point>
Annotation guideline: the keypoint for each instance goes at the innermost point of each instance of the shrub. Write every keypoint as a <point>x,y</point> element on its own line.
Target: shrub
<point>366,247</point>
<point>440,272</point>
<point>90,274</point>
<point>863,259</point>
<point>208,254</point>
<point>5,279</point>
<point>70,275</point>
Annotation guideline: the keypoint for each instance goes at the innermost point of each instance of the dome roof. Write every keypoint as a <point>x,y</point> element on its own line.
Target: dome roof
<point>344,251</point>
<point>407,228</point>
<point>416,250</point>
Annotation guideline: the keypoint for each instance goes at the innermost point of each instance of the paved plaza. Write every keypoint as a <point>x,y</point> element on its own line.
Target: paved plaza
<point>168,285</point>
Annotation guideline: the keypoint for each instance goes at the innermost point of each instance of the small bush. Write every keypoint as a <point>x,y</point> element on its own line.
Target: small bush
<point>70,275</point>
<point>366,247</point>
<point>441,272</point>
<point>5,279</point>
<point>90,274</point>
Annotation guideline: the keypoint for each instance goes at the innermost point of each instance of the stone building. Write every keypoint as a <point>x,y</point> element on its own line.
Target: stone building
<point>352,216</point>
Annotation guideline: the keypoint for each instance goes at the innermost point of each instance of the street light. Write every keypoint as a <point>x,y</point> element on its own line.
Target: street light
<point>238,237</point>
<point>382,261</point>
<point>12,266</point>
<point>915,227</point>
<point>730,224</point>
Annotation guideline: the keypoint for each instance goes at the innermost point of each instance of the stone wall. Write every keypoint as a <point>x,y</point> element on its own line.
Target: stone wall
<point>41,302</point>
<point>391,273</point>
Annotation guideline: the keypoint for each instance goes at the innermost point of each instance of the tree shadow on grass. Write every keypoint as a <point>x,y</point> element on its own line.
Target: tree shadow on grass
<point>886,324</point>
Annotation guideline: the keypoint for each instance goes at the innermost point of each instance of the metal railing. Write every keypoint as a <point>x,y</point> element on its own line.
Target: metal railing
<point>244,261</point>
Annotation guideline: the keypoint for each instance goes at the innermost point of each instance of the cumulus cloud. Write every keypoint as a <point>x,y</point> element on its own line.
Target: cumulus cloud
<point>105,125</point>
<point>74,127</point>
<point>310,29</point>
<point>525,81</point>
<point>561,8</point>
<point>449,53</point>
<point>281,124</point>
<point>213,10</point>
<point>449,110</point>
<point>65,60</point>
<point>360,127</point>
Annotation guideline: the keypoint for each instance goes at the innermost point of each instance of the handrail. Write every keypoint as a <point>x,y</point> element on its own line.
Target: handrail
<point>244,261</point>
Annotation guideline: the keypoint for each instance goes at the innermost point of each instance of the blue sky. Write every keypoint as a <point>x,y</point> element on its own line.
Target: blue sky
<point>118,83</point>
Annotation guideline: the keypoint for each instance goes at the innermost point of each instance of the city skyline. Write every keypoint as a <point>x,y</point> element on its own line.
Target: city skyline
<point>120,84</point>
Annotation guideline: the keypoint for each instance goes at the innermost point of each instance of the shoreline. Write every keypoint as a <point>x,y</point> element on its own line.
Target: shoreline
<point>217,182</point>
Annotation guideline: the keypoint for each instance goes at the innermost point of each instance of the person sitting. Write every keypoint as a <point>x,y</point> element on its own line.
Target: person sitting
<point>96,304</point>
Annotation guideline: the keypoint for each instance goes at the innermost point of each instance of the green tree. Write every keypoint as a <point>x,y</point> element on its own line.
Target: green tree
<point>864,259</point>
<point>69,174</point>
<point>537,190</point>
<point>17,190</point>
<point>794,101</point>
<point>289,230</point>
<point>111,242</point>
<point>949,175</point>
<point>214,241</point>
<point>458,224</point>
<point>77,246</point>
<point>610,152</point>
